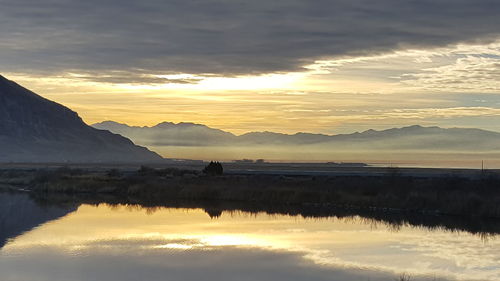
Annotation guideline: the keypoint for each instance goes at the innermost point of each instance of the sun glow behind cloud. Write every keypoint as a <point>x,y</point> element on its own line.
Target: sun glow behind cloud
<point>332,95</point>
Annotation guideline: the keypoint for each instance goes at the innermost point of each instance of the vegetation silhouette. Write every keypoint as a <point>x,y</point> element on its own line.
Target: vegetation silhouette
<point>395,221</point>
<point>404,277</point>
<point>214,169</point>
<point>449,200</point>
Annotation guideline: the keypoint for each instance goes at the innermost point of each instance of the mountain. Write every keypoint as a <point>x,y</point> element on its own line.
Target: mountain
<point>34,129</point>
<point>407,138</point>
<point>170,134</point>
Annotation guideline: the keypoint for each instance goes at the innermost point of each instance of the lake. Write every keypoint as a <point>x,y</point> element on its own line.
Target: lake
<point>66,242</point>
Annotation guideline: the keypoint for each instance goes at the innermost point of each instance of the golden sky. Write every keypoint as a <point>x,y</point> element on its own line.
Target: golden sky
<point>287,66</point>
<point>452,86</point>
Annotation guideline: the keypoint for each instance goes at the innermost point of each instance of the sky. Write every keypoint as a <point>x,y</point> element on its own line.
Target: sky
<point>320,66</point>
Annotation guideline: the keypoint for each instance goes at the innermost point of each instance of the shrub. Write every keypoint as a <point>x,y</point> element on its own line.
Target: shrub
<point>404,277</point>
<point>214,168</point>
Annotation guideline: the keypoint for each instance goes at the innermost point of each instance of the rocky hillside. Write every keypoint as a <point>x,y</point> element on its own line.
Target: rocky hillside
<point>34,129</point>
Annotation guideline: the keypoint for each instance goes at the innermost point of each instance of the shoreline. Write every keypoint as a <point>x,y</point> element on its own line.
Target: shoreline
<point>389,190</point>
<point>396,219</point>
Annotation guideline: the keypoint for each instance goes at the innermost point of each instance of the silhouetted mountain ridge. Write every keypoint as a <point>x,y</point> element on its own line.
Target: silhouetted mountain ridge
<point>167,133</point>
<point>35,129</point>
<point>410,137</point>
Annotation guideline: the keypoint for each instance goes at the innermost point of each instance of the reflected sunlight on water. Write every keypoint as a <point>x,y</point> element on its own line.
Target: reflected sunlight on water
<point>187,242</point>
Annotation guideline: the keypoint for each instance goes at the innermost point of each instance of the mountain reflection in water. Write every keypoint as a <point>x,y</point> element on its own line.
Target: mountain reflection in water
<point>129,242</point>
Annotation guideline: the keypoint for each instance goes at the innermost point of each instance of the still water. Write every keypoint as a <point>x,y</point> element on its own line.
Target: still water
<point>41,242</point>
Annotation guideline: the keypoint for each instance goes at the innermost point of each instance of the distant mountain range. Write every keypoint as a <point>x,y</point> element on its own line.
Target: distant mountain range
<point>34,129</point>
<point>407,138</point>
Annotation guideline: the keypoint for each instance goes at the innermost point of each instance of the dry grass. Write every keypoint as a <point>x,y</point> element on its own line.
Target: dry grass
<point>451,195</point>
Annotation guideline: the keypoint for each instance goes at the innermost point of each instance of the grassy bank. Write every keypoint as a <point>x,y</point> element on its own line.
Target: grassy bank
<point>451,195</point>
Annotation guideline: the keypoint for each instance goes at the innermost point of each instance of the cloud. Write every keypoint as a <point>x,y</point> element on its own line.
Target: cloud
<point>131,78</point>
<point>224,37</point>
<point>473,73</point>
<point>461,68</point>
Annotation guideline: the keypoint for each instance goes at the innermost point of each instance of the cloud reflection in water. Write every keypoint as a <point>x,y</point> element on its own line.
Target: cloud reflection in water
<point>102,243</point>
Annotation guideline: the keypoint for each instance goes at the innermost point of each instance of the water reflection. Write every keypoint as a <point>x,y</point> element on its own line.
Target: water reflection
<point>18,214</point>
<point>393,219</point>
<point>132,243</point>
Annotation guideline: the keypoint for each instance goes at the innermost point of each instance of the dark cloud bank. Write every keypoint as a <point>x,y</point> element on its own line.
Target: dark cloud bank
<point>222,36</point>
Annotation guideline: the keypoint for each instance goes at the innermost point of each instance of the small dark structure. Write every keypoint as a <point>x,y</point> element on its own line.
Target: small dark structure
<point>213,169</point>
